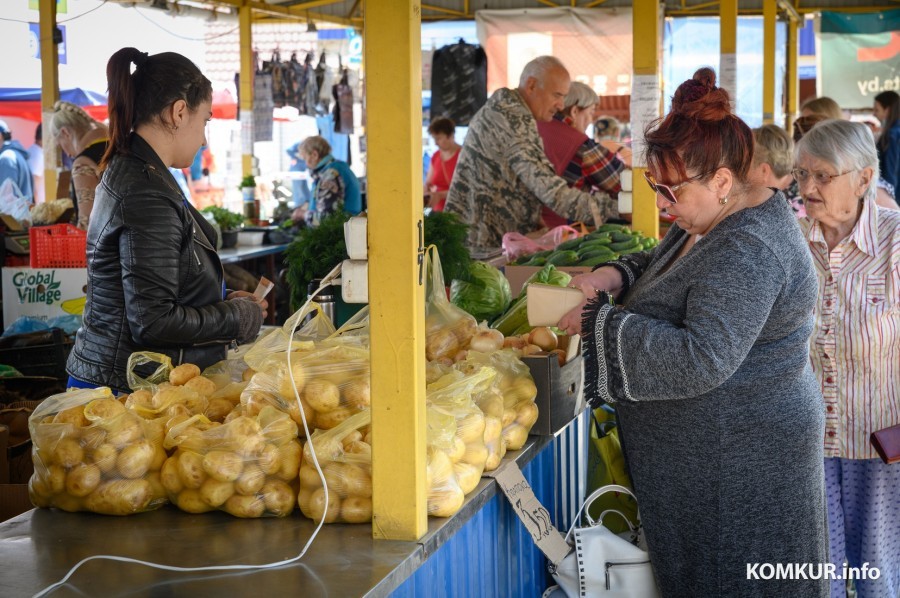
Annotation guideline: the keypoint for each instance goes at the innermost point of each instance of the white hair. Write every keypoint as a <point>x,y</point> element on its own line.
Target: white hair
<point>581,95</point>
<point>844,144</point>
<point>538,69</point>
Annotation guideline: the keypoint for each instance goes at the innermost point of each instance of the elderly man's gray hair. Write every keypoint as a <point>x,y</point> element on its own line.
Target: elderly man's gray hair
<point>580,95</point>
<point>844,144</point>
<point>538,68</point>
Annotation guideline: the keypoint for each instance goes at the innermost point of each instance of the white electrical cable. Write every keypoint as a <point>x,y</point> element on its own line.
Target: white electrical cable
<point>325,281</point>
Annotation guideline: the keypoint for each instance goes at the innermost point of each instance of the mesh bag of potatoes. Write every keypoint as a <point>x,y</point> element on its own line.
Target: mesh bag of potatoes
<point>514,384</point>
<point>456,426</point>
<point>274,345</point>
<point>448,329</point>
<point>331,380</point>
<point>91,453</point>
<point>344,454</point>
<point>247,467</point>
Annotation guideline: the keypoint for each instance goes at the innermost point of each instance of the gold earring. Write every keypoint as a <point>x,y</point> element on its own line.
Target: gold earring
<point>724,200</point>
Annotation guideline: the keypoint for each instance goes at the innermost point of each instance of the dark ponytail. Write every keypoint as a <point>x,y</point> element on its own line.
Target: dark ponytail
<point>700,132</point>
<point>890,100</point>
<point>140,97</point>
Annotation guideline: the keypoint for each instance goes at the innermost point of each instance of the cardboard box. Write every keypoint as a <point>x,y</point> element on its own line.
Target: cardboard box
<point>517,275</point>
<point>43,293</point>
<point>559,390</point>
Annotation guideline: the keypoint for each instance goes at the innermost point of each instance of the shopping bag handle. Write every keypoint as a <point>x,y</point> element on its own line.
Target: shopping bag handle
<point>590,500</point>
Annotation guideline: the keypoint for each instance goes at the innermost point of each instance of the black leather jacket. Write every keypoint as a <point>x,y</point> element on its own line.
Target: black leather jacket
<point>155,282</point>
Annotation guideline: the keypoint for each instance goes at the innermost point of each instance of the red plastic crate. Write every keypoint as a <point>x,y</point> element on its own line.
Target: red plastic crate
<point>58,246</point>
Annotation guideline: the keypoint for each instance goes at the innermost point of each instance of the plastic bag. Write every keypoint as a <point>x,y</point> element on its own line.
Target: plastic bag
<point>13,203</point>
<point>93,454</point>
<point>515,245</point>
<point>456,426</point>
<point>515,384</point>
<point>344,454</point>
<point>273,346</point>
<point>247,467</point>
<point>25,324</point>
<point>448,329</point>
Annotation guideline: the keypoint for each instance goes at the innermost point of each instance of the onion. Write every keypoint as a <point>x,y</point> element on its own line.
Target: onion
<point>531,350</point>
<point>560,355</point>
<point>514,342</point>
<point>487,340</point>
<point>461,356</point>
<point>544,338</point>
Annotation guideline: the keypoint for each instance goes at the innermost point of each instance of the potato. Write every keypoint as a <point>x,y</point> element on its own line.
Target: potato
<point>141,398</point>
<point>442,343</point>
<point>218,409</point>
<point>441,468</point>
<point>215,493</point>
<point>169,477</point>
<point>231,392</point>
<point>309,477</point>
<point>476,454</point>
<point>72,415</point>
<point>357,480</point>
<point>104,457</point>
<point>457,450</point>
<point>289,456</point>
<point>470,428</point>
<point>269,459</point>
<point>356,509</point>
<point>223,466</point>
<point>134,461</point>
<point>357,393</point>
<point>335,477</point>
<point>523,389</point>
<point>247,374</point>
<point>181,374</point>
<point>445,502</point>
<point>127,432</point>
<point>69,503</point>
<point>242,427</point>
<point>493,461</point>
<point>250,447</point>
<point>190,469</point>
<point>120,497</point>
<point>527,415</point>
<point>509,416</point>
<point>103,409</point>
<point>39,494</point>
<point>317,506</point>
<point>157,490</point>
<point>280,430</point>
<point>245,506</point>
<point>159,457</point>
<point>56,479</point>
<point>302,501</point>
<point>491,403</point>
<point>68,453</point>
<point>250,481</point>
<point>190,501</point>
<point>285,388</point>
<point>308,412</point>
<point>82,480</point>
<point>493,430</point>
<point>515,436</point>
<point>352,436</point>
<point>278,498</point>
<point>202,386</point>
<point>323,396</point>
<point>358,448</point>
<point>467,475</point>
<point>333,418</point>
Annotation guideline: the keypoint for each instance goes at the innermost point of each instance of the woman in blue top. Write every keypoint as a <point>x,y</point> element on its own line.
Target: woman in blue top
<point>887,110</point>
<point>335,187</point>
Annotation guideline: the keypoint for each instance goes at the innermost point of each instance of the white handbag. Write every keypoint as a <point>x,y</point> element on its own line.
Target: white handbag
<point>602,563</point>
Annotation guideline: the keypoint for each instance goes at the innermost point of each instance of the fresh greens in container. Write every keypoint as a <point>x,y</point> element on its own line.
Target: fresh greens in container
<point>484,293</point>
<point>515,320</point>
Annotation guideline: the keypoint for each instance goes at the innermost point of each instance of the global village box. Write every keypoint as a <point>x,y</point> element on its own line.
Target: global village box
<point>43,293</point>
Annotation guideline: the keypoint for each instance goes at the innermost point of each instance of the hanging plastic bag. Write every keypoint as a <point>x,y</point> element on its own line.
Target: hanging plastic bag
<point>448,329</point>
<point>90,453</point>
<point>606,466</point>
<point>344,454</point>
<point>246,467</point>
<point>516,245</point>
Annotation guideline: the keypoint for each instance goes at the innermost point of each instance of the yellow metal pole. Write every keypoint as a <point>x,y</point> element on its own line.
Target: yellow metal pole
<point>396,297</point>
<point>49,91</point>
<point>728,14</point>
<point>793,76</point>
<point>645,107</point>
<point>769,8</point>
<point>248,70</point>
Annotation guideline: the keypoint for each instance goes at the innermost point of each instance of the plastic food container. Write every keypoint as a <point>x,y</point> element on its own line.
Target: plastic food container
<point>251,237</point>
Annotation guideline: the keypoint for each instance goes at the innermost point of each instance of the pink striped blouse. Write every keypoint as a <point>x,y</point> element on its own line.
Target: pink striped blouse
<point>855,345</point>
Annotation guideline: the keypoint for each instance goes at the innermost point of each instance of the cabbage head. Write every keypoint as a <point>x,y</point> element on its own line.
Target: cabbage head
<point>485,294</point>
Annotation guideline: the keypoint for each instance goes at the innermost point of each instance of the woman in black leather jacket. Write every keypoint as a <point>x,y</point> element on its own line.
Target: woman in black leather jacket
<point>155,282</point>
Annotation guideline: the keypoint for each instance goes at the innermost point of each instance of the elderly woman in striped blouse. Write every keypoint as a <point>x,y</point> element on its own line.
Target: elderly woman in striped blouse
<point>855,345</point>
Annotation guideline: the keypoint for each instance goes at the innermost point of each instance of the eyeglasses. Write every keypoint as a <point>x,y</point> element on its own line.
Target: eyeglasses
<point>667,192</point>
<point>801,175</point>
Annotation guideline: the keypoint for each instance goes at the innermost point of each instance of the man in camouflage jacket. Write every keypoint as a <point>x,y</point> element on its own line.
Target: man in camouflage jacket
<point>503,175</point>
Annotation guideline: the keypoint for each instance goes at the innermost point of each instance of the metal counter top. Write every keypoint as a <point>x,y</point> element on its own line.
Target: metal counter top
<point>39,547</point>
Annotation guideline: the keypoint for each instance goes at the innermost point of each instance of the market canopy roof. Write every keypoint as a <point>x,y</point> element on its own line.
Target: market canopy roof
<point>25,102</point>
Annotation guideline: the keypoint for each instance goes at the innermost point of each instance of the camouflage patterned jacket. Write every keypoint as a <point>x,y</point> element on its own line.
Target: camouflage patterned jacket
<point>503,176</point>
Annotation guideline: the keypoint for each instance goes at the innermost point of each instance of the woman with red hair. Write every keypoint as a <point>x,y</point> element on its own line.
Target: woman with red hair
<point>706,358</point>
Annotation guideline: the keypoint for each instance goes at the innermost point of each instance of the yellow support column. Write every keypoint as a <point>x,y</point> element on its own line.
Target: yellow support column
<point>396,295</point>
<point>645,107</point>
<point>769,8</point>
<point>728,14</point>
<point>792,110</point>
<point>49,92</point>
<point>248,70</point>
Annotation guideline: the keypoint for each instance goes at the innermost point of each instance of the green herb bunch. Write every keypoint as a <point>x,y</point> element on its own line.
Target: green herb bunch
<point>226,219</point>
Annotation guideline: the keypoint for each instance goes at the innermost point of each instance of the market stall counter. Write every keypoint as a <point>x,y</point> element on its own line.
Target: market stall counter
<point>482,550</point>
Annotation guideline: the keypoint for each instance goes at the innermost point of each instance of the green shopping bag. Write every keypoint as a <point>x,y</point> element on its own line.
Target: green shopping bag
<point>606,465</point>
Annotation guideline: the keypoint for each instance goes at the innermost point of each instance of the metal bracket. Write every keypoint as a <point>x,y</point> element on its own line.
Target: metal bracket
<point>421,252</point>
